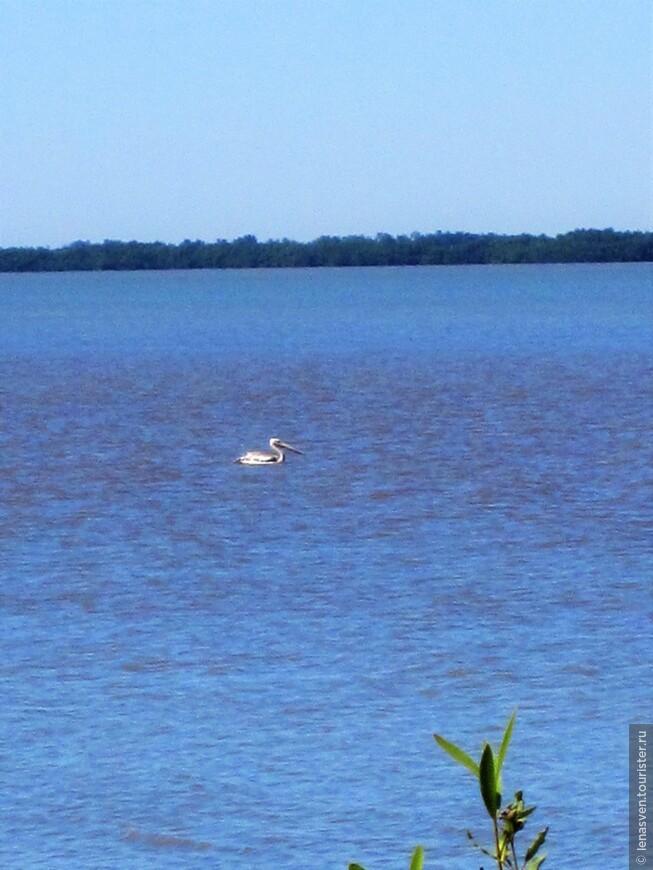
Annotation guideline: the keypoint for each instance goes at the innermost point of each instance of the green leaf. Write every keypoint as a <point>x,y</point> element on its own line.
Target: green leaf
<point>488,781</point>
<point>356,867</point>
<point>535,863</point>
<point>505,742</point>
<point>417,861</point>
<point>522,814</point>
<point>535,845</point>
<point>457,754</point>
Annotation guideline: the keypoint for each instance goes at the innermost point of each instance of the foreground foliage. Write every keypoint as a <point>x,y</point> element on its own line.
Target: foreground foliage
<point>506,823</point>
<point>416,862</point>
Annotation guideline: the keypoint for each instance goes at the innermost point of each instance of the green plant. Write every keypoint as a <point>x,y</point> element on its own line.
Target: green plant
<point>416,862</point>
<point>508,822</point>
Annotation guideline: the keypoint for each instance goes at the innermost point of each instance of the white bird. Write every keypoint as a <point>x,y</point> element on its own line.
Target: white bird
<point>267,457</point>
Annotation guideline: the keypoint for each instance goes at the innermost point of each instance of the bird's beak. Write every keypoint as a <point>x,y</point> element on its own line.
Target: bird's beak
<point>290,447</point>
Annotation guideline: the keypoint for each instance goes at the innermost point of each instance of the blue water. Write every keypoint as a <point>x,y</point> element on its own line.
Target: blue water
<point>206,665</point>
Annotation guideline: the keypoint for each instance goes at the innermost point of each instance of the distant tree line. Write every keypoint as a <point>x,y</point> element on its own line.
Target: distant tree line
<point>246,252</point>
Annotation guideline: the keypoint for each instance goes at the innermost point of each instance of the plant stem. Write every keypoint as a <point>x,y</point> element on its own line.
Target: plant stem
<point>496,843</point>
<point>514,855</point>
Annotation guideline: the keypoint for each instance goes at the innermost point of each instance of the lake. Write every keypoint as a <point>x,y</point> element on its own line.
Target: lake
<point>208,665</point>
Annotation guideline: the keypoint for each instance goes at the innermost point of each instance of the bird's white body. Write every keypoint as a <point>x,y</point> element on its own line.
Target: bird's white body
<point>267,457</point>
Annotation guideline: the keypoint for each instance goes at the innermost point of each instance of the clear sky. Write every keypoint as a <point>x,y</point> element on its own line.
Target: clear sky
<point>173,119</point>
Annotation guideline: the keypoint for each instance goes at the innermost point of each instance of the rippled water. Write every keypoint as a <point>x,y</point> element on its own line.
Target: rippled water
<point>207,665</point>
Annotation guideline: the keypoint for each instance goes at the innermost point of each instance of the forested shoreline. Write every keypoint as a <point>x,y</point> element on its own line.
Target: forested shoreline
<point>416,249</point>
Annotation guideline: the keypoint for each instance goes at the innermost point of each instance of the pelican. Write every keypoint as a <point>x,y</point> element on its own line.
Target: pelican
<point>267,457</point>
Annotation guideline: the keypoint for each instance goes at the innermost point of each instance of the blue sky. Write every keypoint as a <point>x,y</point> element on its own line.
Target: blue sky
<point>172,119</point>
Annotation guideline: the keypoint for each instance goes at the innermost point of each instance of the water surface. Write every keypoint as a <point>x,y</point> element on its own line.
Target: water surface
<point>207,665</point>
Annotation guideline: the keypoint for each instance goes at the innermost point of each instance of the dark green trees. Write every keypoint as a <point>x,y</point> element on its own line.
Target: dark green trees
<point>246,252</point>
